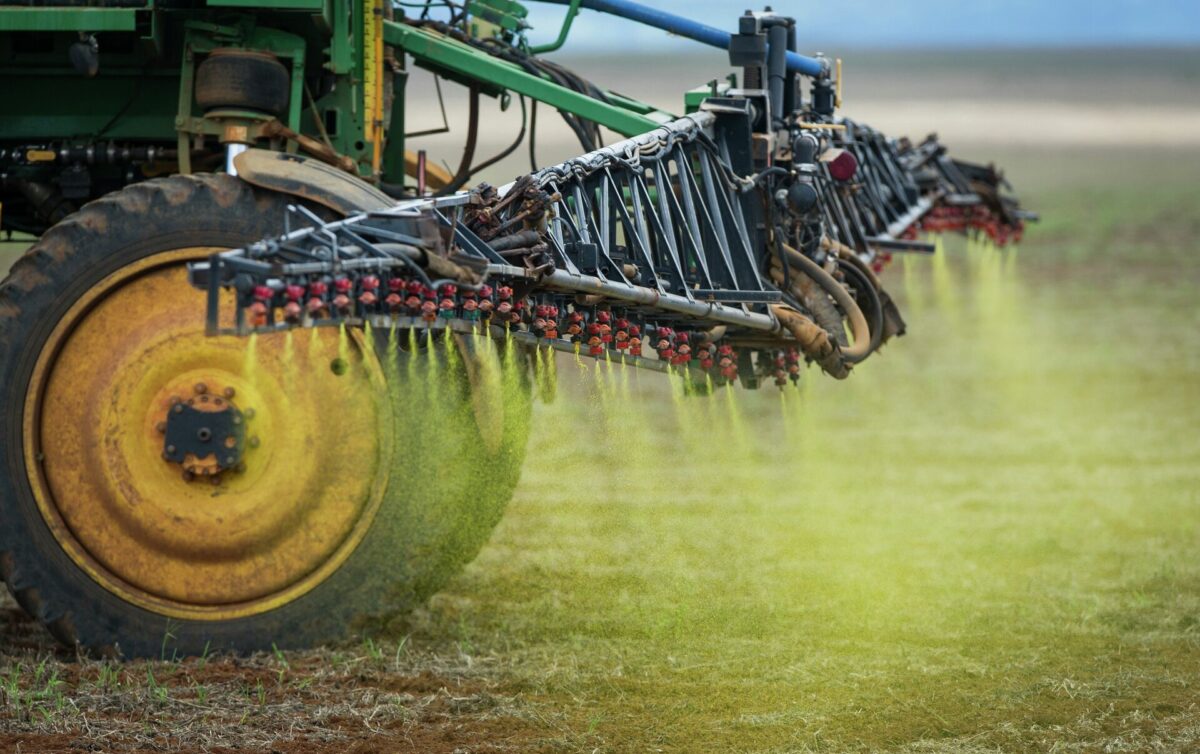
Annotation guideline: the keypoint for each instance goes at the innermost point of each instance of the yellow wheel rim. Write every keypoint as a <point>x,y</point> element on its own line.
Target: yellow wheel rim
<point>314,470</point>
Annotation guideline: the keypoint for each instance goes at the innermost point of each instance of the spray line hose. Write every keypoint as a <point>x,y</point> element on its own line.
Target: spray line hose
<point>685,27</point>
<point>861,347</point>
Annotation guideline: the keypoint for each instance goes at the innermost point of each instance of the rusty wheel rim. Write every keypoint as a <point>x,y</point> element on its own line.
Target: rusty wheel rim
<point>161,534</point>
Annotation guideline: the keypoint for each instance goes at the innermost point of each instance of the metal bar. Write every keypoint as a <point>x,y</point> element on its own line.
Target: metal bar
<point>685,27</point>
<point>900,244</point>
<point>431,47</point>
<point>636,294</point>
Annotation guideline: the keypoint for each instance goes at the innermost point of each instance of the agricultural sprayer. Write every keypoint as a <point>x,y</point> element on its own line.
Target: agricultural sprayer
<point>218,356</point>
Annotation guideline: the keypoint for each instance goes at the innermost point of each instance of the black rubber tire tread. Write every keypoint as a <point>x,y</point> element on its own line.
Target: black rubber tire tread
<point>415,544</point>
<point>243,79</point>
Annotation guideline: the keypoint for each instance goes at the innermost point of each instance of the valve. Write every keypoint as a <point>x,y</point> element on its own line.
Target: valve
<point>292,309</point>
<point>575,326</point>
<point>486,305</point>
<point>727,362</point>
<point>395,297</point>
<point>316,305</point>
<point>683,350</point>
<point>412,298</point>
<point>663,345</point>
<point>621,336</point>
<point>635,340</point>
<point>604,323</point>
<point>447,306</point>
<point>261,307</point>
<point>595,340</point>
<point>369,287</point>
<point>341,295</point>
<point>470,306</point>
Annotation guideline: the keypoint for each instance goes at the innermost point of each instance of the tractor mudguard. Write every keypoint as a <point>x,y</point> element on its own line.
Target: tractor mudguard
<point>309,179</point>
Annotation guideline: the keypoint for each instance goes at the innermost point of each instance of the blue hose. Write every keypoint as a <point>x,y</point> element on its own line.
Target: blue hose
<point>685,27</point>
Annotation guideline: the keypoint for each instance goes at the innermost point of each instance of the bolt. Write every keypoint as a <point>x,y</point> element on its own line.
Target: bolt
<point>249,413</point>
<point>204,434</point>
<point>170,449</point>
<point>161,427</point>
<point>230,392</point>
<point>178,408</point>
<point>229,460</point>
<point>237,419</point>
<point>201,388</point>
<point>218,402</point>
<point>254,442</point>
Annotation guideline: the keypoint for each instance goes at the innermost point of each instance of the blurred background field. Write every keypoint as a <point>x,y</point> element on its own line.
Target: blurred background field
<point>985,540</point>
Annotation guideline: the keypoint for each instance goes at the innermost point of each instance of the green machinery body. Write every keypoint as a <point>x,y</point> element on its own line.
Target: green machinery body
<point>97,97</point>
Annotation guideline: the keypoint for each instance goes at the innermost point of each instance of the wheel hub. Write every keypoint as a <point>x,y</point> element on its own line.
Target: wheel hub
<point>205,433</point>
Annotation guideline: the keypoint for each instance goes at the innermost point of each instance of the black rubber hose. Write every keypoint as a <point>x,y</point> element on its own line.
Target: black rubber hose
<point>464,166</point>
<point>866,290</point>
<point>533,167</point>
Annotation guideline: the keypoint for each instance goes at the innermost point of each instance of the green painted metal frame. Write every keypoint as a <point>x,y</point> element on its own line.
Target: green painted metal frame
<point>439,51</point>
<point>69,19</point>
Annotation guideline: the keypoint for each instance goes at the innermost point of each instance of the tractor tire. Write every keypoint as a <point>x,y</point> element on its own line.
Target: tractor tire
<point>364,487</point>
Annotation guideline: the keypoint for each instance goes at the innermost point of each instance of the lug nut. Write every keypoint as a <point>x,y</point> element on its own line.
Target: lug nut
<point>249,413</point>
<point>161,427</point>
<point>229,392</point>
<point>254,442</point>
<point>170,449</point>
<point>178,408</point>
<point>201,388</point>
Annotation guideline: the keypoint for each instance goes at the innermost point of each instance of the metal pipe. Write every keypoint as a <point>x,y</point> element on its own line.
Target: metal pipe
<point>636,294</point>
<point>685,27</point>
<point>776,73</point>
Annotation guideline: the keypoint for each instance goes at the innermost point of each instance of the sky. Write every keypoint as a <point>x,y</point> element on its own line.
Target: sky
<point>826,24</point>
